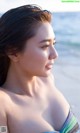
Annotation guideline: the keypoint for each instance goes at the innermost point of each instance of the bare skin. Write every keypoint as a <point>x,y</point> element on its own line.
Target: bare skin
<point>29,100</point>
<point>35,114</point>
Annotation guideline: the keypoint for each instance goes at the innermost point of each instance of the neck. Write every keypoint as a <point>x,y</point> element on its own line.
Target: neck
<point>20,83</point>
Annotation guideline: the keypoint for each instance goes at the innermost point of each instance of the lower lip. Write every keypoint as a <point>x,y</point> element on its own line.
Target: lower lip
<point>48,67</point>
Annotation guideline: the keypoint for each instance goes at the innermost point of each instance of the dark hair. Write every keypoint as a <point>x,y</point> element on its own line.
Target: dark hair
<point>16,27</point>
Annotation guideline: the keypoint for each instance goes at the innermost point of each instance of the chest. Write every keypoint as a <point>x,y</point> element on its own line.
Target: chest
<point>29,117</point>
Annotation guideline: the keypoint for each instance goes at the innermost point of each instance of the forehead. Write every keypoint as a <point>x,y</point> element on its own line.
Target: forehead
<point>45,31</point>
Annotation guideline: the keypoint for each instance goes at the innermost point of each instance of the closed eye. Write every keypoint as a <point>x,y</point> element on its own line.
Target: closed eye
<point>45,46</point>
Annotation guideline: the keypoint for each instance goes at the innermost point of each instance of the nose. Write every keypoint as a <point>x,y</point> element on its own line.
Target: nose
<point>53,53</point>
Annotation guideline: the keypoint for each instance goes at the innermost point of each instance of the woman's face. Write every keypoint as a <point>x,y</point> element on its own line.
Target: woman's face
<point>39,54</point>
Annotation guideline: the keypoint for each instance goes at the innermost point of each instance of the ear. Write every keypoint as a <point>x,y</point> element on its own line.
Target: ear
<point>14,57</point>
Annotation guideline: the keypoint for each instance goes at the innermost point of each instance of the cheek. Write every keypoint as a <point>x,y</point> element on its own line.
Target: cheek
<point>34,58</point>
<point>40,57</point>
<point>34,62</point>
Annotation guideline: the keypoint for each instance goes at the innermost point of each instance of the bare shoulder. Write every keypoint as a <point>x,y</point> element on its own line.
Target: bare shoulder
<point>2,101</point>
<point>4,98</point>
<point>3,114</point>
<point>3,94</point>
<point>59,108</point>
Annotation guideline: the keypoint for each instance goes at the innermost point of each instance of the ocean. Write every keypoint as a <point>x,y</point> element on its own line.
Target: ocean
<point>67,29</point>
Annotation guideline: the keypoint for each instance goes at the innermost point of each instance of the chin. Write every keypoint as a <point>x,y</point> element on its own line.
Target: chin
<point>44,74</point>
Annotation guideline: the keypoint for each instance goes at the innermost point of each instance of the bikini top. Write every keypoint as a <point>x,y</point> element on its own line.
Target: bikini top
<point>70,125</point>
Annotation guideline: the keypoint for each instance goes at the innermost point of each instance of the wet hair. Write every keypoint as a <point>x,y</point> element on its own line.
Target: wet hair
<point>16,27</point>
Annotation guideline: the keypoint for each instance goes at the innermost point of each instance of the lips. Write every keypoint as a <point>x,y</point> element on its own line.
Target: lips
<point>49,66</point>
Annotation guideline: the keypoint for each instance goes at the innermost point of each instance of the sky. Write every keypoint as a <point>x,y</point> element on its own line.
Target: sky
<point>52,5</point>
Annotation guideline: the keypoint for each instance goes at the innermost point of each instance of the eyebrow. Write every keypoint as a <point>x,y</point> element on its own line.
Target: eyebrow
<point>48,40</point>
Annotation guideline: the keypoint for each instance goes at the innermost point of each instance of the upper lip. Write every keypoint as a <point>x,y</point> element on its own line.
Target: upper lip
<point>49,64</point>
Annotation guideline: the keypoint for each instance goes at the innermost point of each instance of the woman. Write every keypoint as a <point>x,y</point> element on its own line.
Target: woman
<point>29,100</point>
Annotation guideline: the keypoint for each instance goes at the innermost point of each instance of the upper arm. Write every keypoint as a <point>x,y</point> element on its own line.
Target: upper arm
<point>59,105</point>
<point>60,109</point>
<point>62,114</point>
<point>3,117</point>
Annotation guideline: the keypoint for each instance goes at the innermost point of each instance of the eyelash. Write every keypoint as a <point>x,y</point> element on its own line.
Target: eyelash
<point>46,46</point>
